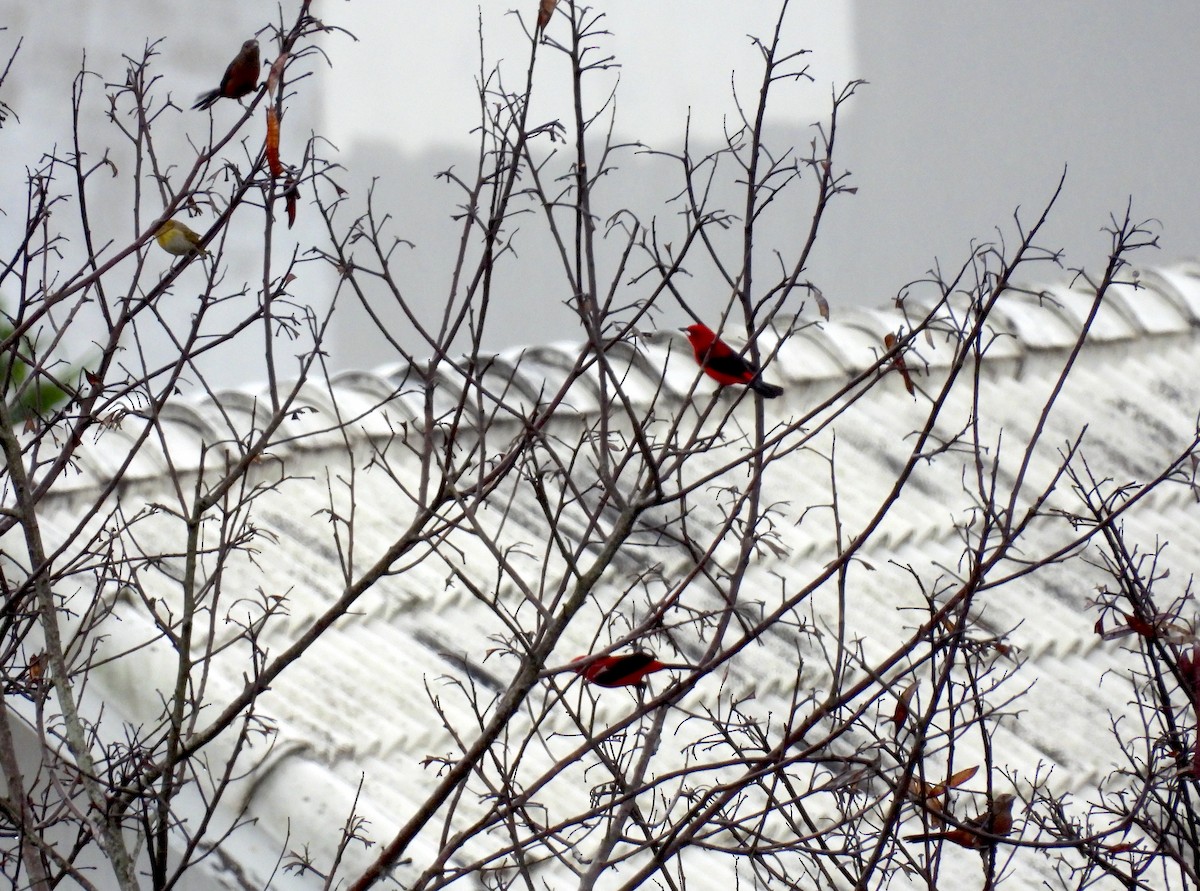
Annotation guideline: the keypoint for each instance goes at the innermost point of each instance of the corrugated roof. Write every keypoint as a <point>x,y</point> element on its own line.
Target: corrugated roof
<point>361,703</point>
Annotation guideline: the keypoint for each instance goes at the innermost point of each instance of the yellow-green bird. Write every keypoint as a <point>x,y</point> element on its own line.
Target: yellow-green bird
<point>176,238</point>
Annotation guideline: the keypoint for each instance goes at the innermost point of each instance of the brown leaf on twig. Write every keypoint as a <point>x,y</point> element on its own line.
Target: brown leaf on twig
<point>276,73</point>
<point>932,796</point>
<point>545,11</point>
<point>901,712</point>
<point>822,303</point>
<point>889,342</point>
<point>928,791</point>
<point>1189,672</point>
<point>1139,625</point>
<point>290,194</point>
<point>960,777</point>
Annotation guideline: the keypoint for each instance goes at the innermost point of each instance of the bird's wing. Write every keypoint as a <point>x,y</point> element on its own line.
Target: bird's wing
<point>731,364</point>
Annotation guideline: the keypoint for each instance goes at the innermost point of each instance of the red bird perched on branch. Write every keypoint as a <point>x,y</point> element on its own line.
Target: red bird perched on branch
<point>240,78</point>
<point>720,362</point>
<point>619,671</point>
<point>996,822</point>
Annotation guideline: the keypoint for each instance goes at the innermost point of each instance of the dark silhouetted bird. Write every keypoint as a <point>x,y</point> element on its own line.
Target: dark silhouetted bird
<point>240,78</point>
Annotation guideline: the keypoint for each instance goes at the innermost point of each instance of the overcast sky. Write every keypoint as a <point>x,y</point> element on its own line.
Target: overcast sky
<point>410,77</point>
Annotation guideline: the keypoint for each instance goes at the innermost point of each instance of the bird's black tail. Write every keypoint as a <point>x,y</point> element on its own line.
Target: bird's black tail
<point>765,390</point>
<point>205,100</point>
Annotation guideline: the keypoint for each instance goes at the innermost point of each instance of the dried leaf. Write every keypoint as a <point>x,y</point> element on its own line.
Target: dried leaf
<point>276,73</point>
<point>1117,633</point>
<point>1189,672</point>
<point>545,11</point>
<point>901,713</point>
<point>92,378</point>
<point>935,807</point>
<point>273,162</point>
<point>1173,632</point>
<point>889,342</point>
<point>822,303</point>
<point>1140,626</point>
<point>927,791</point>
<point>290,195</point>
<point>960,777</point>
<point>917,789</point>
<point>930,798</point>
<point>440,762</point>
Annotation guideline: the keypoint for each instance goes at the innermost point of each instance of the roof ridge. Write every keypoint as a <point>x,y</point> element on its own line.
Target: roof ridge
<point>1151,303</point>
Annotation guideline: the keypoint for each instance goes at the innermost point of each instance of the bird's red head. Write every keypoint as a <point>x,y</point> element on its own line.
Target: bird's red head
<point>701,338</point>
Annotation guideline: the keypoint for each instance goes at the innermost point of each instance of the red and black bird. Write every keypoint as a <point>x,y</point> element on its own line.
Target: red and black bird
<point>722,363</point>
<point>240,78</point>
<point>628,670</point>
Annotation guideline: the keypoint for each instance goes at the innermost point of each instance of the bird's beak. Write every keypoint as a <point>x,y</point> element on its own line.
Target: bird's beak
<point>681,330</point>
